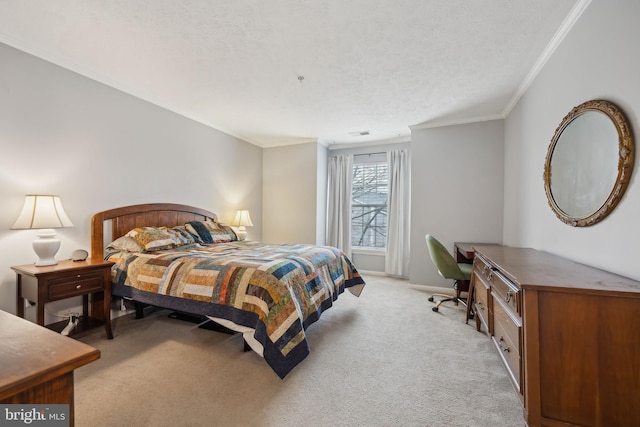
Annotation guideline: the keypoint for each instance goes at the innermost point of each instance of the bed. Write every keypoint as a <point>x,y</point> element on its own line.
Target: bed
<point>181,258</point>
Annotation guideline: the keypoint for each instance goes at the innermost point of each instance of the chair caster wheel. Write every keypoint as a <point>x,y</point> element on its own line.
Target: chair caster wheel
<point>430,299</point>
<point>434,309</point>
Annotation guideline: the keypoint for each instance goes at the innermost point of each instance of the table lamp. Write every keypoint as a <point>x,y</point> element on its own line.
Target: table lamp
<point>242,221</point>
<point>44,213</point>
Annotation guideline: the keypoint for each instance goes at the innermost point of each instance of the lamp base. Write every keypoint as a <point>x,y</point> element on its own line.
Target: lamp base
<point>46,247</point>
<point>241,232</point>
<point>43,262</point>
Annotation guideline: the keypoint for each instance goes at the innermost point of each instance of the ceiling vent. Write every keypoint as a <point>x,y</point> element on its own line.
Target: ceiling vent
<point>359,133</point>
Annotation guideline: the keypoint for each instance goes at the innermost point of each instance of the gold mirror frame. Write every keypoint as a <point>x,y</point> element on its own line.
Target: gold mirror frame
<point>625,161</point>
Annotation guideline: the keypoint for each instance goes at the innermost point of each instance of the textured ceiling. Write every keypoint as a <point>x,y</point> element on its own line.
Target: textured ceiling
<point>286,71</point>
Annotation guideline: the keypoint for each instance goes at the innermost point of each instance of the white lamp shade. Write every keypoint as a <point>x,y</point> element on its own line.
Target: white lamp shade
<point>242,219</point>
<point>42,211</point>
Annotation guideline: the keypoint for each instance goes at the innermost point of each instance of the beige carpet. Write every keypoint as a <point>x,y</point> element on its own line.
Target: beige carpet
<point>383,359</point>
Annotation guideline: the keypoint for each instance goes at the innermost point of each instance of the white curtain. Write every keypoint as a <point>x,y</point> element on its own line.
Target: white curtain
<point>339,203</point>
<point>399,208</point>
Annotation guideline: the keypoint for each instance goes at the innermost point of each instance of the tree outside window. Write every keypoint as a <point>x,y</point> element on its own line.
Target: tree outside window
<point>369,205</point>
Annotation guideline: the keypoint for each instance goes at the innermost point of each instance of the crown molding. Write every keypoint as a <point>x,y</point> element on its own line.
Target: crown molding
<point>437,124</point>
<point>557,38</point>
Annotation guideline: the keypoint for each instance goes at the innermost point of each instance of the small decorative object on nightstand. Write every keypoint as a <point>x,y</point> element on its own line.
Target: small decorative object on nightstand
<point>241,221</point>
<point>65,280</point>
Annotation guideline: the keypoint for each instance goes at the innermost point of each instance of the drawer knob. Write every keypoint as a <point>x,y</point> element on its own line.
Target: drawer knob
<point>78,286</point>
<point>502,347</point>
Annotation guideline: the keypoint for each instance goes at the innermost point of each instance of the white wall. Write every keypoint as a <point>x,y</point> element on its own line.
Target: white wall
<point>99,148</point>
<point>597,60</point>
<point>457,181</point>
<point>290,185</point>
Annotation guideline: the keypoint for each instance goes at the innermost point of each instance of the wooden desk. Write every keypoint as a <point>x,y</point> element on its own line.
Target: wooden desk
<point>464,252</point>
<point>37,364</point>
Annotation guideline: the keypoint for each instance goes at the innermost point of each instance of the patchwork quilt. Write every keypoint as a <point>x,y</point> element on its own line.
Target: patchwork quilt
<point>271,293</point>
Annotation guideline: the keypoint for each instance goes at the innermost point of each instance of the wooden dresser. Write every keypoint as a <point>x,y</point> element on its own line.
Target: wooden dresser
<point>566,334</point>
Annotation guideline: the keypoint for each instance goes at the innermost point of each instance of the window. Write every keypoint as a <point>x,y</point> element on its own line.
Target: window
<point>369,201</point>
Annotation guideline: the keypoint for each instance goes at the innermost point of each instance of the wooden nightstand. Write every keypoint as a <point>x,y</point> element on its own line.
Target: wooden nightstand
<point>65,280</point>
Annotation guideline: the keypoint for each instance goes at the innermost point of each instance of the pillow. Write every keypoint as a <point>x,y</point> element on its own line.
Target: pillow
<point>125,243</point>
<point>201,230</point>
<point>182,235</point>
<point>154,238</point>
<point>224,234</point>
<point>208,232</point>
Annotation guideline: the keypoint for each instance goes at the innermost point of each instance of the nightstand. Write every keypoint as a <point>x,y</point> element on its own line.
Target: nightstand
<point>65,280</point>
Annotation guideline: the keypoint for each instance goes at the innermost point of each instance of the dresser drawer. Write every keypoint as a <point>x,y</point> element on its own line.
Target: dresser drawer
<point>78,284</point>
<point>505,291</point>
<point>507,333</point>
<point>481,303</point>
<point>482,269</point>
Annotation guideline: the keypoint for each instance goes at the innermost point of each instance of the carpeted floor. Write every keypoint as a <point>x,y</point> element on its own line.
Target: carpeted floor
<point>383,359</point>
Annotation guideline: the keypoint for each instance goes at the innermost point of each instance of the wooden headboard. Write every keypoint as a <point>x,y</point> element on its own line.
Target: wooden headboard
<point>121,220</point>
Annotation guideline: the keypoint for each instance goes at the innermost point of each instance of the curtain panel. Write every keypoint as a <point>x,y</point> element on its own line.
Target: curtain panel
<point>339,202</point>
<point>399,209</point>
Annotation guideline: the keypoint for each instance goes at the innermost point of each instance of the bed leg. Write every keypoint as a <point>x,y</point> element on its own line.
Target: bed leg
<point>139,309</point>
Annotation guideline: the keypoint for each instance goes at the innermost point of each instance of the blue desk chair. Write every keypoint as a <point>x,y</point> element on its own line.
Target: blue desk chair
<point>448,268</point>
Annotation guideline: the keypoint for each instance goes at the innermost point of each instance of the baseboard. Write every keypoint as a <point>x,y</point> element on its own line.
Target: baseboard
<point>382,274</point>
<point>432,289</point>
<point>372,273</point>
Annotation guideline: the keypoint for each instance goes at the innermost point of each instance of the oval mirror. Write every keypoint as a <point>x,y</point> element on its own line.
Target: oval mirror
<point>589,163</point>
